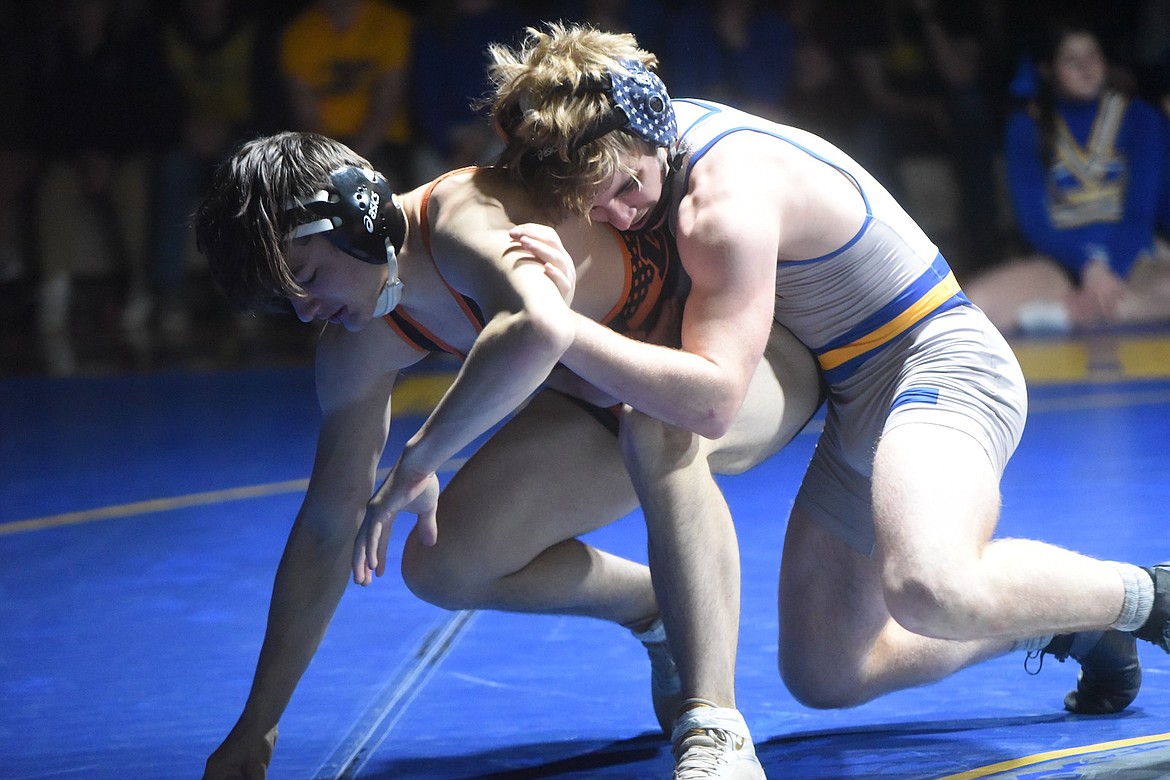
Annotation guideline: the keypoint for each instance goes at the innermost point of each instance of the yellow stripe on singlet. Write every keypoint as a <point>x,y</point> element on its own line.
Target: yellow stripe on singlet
<point>931,300</point>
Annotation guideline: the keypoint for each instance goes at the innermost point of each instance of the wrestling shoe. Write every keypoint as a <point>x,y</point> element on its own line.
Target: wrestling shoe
<point>665,685</point>
<point>1157,627</point>
<point>713,742</point>
<point>1111,674</point>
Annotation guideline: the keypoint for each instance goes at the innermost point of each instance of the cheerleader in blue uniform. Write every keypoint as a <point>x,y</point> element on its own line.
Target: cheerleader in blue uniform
<point>1084,167</point>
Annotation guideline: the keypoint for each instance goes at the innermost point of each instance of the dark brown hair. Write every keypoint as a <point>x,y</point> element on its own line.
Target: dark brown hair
<point>241,224</point>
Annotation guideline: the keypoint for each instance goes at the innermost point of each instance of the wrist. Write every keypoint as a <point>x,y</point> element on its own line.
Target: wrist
<point>411,467</point>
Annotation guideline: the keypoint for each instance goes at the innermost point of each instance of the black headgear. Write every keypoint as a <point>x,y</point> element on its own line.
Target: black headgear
<point>359,215</point>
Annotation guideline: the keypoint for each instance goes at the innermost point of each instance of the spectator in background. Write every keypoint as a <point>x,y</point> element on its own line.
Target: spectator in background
<point>737,52</point>
<point>447,78</point>
<point>210,55</point>
<point>903,96</point>
<point>961,41</point>
<point>17,146</point>
<point>824,97</point>
<point>103,109</point>
<point>927,127</point>
<point>345,64</point>
<point>1084,165</point>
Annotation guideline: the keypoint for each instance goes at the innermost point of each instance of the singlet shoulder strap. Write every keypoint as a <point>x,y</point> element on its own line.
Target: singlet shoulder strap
<point>469,307</point>
<point>411,330</point>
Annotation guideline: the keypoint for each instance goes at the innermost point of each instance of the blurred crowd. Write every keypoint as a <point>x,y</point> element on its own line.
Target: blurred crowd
<point>116,112</point>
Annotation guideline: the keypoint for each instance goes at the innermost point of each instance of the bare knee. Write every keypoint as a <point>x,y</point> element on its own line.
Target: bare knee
<point>817,684</point>
<point>439,577</point>
<point>931,602</point>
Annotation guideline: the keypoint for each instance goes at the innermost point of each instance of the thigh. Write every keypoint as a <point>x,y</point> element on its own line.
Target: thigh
<point>784,394</point>
<point>1148,288</point>
<point>551,473</point>
<point>935,500</point>
<point>832,612</point>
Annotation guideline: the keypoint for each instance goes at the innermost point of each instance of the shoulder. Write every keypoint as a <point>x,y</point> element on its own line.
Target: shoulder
<point>1022,118</point>
<point>471,199</point>
<point>744,182</point>
<point>1020,129</point>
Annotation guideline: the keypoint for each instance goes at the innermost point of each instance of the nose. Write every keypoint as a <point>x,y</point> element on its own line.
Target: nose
<point>613,213</point>
<point>306,308</point>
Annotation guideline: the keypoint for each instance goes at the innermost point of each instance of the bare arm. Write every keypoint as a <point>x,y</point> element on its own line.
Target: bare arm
<point>728,238</point>
<point>528,330</point>
<point>354,394</point>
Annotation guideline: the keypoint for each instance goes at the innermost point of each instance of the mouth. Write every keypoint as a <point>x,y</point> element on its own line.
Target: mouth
<point>650,218</point>
<point>337,316</point>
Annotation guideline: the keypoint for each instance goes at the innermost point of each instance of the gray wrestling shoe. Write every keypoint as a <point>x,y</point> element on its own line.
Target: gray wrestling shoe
<point>1157,626</point>
<point>665,685</point>
<point>1111,674</point>
<point>713,742</point>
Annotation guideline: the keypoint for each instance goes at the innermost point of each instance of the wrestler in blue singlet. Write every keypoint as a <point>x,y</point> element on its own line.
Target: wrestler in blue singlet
<point>896,338</point>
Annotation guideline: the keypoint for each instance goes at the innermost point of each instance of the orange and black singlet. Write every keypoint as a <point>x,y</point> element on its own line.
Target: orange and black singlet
<point>653,274</point>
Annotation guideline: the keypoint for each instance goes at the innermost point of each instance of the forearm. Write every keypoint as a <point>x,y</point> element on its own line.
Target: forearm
<point>510,359</point>
<point>676,386</point>
<point>310,580</point>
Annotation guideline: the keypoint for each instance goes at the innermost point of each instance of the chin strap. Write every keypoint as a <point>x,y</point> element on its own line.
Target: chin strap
<point>390,296</point>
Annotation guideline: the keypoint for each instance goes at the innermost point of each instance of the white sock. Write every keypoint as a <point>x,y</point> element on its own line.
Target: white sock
<point>1139,597</point>
<point>1032,645</point>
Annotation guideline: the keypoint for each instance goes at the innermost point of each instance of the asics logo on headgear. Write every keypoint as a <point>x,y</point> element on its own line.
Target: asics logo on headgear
<point>372,212</point>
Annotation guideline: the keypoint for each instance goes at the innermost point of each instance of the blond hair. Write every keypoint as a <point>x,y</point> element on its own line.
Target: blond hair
<point>542,105</point>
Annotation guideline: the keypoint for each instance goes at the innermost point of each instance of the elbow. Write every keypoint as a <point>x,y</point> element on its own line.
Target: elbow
<point>546,333</point>
<point>714,424</point>
<point>719,413</point>
<point>716,419</point>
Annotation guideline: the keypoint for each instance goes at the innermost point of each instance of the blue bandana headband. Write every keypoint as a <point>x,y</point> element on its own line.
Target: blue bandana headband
<point>641,96</point>
<point>641,106</point>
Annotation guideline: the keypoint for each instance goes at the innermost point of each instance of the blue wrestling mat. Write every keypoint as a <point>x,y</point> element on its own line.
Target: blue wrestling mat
<point>142,518</point>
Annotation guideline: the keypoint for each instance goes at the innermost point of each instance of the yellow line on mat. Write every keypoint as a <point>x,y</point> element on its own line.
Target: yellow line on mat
<point>179,502</point>
<point>1040,758</point>
<point>153,505</point>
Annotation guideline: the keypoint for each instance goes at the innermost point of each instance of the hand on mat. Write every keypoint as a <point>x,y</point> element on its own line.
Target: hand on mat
<point>241,757</point>
<point>399,493</point>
